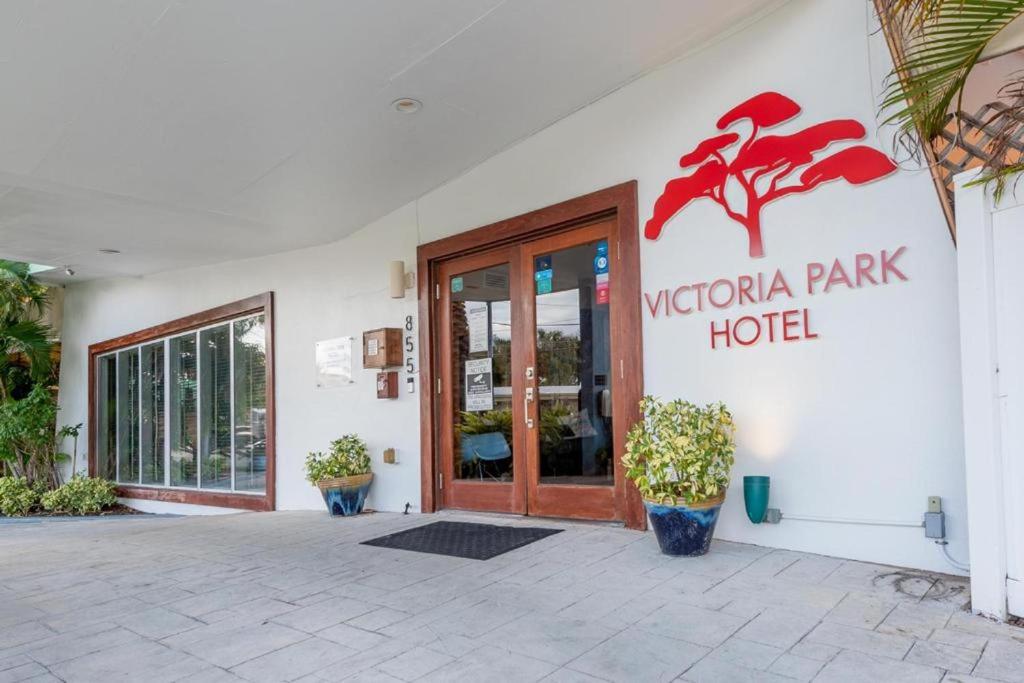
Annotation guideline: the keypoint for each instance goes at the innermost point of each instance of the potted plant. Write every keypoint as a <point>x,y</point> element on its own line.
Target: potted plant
<point>679,456</point>
<point>343,475</point>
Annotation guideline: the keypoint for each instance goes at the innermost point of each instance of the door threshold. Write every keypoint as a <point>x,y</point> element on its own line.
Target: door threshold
<point>508,516</point>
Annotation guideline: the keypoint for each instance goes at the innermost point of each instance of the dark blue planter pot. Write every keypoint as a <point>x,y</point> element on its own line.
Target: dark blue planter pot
<point>345,496</point>
<point>684,530</point>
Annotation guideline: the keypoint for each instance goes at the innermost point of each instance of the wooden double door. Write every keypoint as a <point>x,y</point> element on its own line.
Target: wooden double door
<point>529,345</point>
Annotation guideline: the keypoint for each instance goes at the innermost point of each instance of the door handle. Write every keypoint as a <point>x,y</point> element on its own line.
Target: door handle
<point>527,400</point>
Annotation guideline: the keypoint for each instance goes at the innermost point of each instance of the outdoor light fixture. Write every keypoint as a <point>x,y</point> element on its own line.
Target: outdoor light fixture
<point>110,251</point>
<point>755,497</point>
<point>406,105</point>
<point>68,271</point>
<point>398,279</point>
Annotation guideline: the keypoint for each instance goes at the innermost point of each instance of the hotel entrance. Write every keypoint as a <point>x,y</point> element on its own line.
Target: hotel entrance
<point>533,393</point>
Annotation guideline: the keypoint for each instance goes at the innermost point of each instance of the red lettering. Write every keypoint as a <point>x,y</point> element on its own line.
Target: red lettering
<point>838,276</point>
<point>807,328</point>
<point>717,284</point>
<point>788,323</point>
<point>655,305</point>
<point>746,284</point>
<point>865,264</point>
<point>675,302</point>
<point>699,288</point>
<point>736,330</point>
<point>815,271</point>
<point>770,317</point>
<point>779,284</point>
<point>725,333</point>
<point>889,265</point>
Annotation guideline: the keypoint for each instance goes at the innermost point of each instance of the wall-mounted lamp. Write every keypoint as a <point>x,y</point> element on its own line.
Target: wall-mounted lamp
<point>755,497</point>
<point>399,280</point>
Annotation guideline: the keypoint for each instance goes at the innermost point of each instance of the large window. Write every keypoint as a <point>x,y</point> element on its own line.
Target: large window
<point>183,416</point>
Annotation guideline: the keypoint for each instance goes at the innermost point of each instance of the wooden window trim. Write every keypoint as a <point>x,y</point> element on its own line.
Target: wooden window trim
<point>618,202</point>
<point>260,303</point>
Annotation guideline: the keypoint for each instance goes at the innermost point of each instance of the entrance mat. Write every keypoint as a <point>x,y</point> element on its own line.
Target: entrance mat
<point>463,539</point>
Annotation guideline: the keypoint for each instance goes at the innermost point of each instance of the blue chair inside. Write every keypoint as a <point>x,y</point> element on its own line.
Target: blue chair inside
<point>488,446</point>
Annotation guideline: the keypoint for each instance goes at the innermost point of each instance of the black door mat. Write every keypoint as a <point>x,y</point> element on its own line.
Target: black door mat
<point>463,539</point>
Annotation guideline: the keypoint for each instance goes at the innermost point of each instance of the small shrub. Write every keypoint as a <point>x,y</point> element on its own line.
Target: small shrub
<point>17,496</point>
<point>348,457</point>
<point>81,496</point>
<point>680,452</point>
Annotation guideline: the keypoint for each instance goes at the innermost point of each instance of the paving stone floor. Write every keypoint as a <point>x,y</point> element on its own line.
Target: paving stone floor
<point>292,596</point>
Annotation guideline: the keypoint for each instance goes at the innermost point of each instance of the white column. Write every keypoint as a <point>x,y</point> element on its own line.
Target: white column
<point>986,510</point>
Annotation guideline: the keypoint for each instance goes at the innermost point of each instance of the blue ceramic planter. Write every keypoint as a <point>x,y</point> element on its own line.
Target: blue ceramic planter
<point>345,496</point>
<point>683,530</point>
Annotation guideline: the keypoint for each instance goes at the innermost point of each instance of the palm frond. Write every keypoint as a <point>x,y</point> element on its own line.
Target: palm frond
<point>30,339</point>
<point>1005,155</point>
<point>20,293</point>
<point>943,41</point>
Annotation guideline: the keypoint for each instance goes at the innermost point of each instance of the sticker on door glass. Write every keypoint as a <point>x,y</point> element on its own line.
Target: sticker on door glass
<point>601,292</point>
<point>601,259</point>
<point>479,385</point>
<point>456,284</point>
<point>542,274</point>
<point>476,320</point>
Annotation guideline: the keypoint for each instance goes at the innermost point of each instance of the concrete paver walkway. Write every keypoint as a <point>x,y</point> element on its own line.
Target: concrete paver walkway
<point>292,596</point>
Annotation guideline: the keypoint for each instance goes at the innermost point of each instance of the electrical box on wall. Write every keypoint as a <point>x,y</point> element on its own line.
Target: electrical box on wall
<point>382,348</point>
<point>387,384</point>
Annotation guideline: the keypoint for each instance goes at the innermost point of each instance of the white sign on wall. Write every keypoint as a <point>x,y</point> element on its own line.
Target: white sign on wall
<point>334,362</point>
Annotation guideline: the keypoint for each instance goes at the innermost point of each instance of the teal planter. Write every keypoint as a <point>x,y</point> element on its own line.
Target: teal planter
<point>755,497</point>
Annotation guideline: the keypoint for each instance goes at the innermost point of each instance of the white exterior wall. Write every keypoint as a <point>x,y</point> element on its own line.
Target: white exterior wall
<point>862,423</point>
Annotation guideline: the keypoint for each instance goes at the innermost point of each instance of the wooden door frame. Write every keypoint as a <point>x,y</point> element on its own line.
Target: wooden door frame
<point>618,202</point>
<point>574,501</point>
<point>486,496</point>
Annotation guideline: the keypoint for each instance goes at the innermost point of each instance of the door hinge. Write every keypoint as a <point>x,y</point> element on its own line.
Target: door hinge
<point>440,480</point>
<point>618,250</point>
<point>622,369</point>
<point>439,385</point>
<point>437,291</point>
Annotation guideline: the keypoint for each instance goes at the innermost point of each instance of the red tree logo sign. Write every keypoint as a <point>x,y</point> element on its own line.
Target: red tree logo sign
<point>763,162</point>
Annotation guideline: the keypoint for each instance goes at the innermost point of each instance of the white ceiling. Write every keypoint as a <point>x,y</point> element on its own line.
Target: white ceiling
<point>187,132</point>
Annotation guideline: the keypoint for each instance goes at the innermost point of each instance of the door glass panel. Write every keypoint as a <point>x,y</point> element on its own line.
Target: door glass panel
<point>573,366</point>
<point>250,404</point>
<point>215,406</point>
<point>128,416</point>
<point>183,383</point>
<point>106,421</point>
<point>481,336</point>
<point>152,412</point>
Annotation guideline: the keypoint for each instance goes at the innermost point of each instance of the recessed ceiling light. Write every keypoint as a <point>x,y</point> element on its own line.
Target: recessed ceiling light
<point>406,105</point>
<point>110,251</point>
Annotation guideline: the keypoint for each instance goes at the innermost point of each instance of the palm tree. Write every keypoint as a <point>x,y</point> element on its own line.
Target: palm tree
<point>22,336</point>
<point>941,42</point>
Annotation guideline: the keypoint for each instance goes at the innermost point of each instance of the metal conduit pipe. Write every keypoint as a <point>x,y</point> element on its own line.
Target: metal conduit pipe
<point>842,520</point>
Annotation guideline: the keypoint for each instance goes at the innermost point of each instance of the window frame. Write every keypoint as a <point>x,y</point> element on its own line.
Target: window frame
<point>246,500</point>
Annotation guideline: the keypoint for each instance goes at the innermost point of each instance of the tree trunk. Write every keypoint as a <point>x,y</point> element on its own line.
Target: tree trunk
<point>753,226</point>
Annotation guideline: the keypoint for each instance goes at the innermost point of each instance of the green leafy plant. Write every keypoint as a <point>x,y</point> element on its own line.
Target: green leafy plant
<point>680,452</point>
<point>939,44</point>
<point>348,457</point>
<point>81,496</point>
<point>17,496</point>
<point>28,437</point>
<point>73,432</point>
<point>25,342</point>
